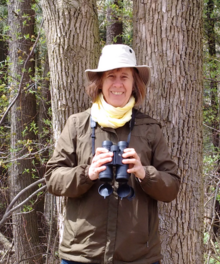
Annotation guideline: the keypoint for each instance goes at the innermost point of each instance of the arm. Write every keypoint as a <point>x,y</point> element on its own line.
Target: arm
<point>159,180</point>
<point>64,177</point>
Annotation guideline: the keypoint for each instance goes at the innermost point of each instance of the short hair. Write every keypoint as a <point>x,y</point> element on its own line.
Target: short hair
<point>139,88</point>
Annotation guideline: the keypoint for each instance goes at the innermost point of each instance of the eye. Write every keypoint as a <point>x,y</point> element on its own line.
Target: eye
<point>110,76</point>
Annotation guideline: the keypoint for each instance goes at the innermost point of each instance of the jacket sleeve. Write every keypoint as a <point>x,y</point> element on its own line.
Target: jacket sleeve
<point>64,177</point>
<point>161,181</point>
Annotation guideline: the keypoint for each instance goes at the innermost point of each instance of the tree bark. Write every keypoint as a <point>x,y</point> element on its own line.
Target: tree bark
<point>168,37</point>
<point>23,113</point>
<point>73,46</point>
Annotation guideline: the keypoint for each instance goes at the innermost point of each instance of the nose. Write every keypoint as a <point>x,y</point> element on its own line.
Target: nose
<point>117,82</point>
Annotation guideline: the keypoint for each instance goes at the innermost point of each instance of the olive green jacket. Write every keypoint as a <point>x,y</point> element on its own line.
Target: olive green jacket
<point>111,230</point>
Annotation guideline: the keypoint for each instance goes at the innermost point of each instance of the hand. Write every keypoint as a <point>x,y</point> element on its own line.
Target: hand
<point>131,158</point>
<point>101,157</point>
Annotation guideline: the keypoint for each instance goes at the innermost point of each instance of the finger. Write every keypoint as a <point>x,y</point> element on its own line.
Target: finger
<point>100,162</point>
<point>103,158</point>
<point>129,161</point>
<point>100,169</point>
<point>129,150</point>
<point>101,150</point>
<point>130,153</point>
<point>94,171</point>
<point>102,153</point>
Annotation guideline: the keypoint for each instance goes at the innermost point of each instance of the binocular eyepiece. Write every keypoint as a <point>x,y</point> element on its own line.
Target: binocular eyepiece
<point>117,168</point>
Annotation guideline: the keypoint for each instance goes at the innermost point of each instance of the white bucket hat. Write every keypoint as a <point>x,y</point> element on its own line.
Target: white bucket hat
<point>116,56</point>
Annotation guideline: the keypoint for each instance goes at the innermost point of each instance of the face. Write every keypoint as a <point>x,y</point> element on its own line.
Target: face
<point>117,86</point>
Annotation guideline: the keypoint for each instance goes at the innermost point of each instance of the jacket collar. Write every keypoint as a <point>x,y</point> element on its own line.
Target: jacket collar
<point>140,118</point>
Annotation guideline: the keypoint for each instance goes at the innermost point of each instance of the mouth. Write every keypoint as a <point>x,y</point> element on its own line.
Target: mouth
<point>117,93</point>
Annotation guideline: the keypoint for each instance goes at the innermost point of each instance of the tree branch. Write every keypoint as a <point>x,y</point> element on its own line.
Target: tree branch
<point>22,76</point>
<point>23,191</point>
<point>10,210</point>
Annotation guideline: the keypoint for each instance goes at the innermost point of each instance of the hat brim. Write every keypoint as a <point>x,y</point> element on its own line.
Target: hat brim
<point>144,72</point>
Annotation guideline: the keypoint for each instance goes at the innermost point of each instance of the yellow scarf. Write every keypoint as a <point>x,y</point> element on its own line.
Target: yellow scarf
<point>107,115</point>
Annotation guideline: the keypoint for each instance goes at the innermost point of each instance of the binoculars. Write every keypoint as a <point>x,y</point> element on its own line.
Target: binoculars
<point>117,168</point>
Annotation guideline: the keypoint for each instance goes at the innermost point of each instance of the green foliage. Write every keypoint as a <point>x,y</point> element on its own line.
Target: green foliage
<point>34,149</point>
<point>211,62</point>
<point>212,258</point>
<point>122,10</point>
<point>9,91</point>
<point>27,208</point>
<point>34,128</point>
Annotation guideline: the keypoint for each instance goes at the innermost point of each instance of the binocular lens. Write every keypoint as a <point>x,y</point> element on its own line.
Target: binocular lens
<point>105,190</point>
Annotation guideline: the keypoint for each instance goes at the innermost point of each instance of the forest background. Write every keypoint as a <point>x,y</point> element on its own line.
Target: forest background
<point>45,48</point>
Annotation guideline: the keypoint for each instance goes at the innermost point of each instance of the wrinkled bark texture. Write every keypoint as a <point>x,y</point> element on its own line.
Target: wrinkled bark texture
<point>168,37</point>
<point>72,34</point>
<point>73,45</point>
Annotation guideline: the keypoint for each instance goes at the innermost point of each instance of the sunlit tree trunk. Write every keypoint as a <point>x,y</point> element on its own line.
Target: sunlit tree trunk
<point>73,45</point>
<point>168,37</point>
<point>23,117</point>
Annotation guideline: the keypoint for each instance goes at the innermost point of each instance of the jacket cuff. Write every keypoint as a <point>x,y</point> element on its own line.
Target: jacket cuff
<point>150,174</point>
<point>85,177</point>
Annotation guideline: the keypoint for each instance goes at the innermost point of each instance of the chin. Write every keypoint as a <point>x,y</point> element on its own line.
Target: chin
<point>117,105</point>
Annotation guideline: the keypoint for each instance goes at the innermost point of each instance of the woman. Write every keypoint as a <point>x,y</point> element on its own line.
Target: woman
<point>112,230</point>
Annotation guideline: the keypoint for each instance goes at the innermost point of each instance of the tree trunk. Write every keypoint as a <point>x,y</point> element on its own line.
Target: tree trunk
<point>3,50</point>
<point>3,42</point>
<point>44,119</point>
<point>114,29</point>
<point>23,113</point>
<point>214,107</point>
<point>168,37</point>
<point>73,46</point>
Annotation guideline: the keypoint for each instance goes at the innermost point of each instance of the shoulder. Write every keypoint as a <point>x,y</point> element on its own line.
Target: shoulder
<point>80,117</point>
<point>79,121</point>
<point>141,118</point>
<point>147,127</point>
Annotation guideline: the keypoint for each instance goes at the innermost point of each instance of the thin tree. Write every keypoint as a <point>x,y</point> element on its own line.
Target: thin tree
<point>213,110</point>
<point>168,37</point>
<point>23,120</point>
